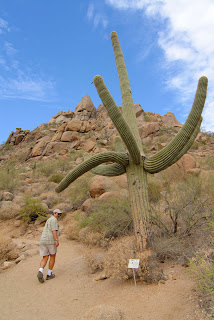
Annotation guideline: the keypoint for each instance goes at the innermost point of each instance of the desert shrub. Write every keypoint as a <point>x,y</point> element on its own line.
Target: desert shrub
<point>32,209</point>
<point>147,118</point>
<point>202,266</point>
<point>56,178</point>
<point>74,154</point>
<point>95,262</point>
<point>111,219</point>
<point>117,258</point>
<point>8,146</point>
<point>90,238</point>
<point>50,167</point>
<point>186,208</point>
<point>78,190</point>
<point>9,178</point>
<point>154,191</point>
<point>170,247</point>
<point>8,250</point>
<point>206,163</point>
<point>46,168</point>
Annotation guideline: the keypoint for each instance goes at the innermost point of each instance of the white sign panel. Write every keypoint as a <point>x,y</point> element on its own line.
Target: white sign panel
<point>134,263</point>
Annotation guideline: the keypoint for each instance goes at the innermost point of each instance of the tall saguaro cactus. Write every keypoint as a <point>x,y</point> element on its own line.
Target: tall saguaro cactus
<point>134,162</point>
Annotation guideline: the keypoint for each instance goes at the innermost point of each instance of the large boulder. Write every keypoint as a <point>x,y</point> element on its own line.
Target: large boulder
<point>89,145</point>
<point>100,185</point>
<point>186,163</point>
<point>138,111</point>
<point>74,125</point>
<point>40,146</point>
<point>149,128</point>
<point>85,109</point>
<point>169,120</point>
<point>7,196</point>
<point>56,147</point>
<point>62,116</point>
<point>69,136</point>
<point>103,312</point>
<point>109,195</point>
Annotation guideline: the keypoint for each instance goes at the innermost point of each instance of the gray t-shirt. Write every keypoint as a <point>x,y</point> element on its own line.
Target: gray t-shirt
<point>47,235</point>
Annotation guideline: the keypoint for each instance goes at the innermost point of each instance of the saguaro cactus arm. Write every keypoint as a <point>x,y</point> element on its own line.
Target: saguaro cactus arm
<point>165,157</point>
<point>127,100</point>
<point>117,118</point>
<point>189,143</point>
<point>87,165</point>
<point>119,147</point>
<point>109,170</point>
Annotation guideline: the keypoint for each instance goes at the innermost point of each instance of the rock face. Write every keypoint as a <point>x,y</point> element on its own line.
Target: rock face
<point>85,109</point>
<point>100,185</point>
<point>92,131</point>
<point>169,120</point>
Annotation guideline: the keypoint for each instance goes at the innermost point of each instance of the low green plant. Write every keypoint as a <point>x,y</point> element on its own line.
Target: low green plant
<point>32,210</point>
<point>147,118</point>
<point>51,167</point>
<point>203,269</point>
<point>8,146</point>
<point>186,207</point>
<point>154,191</point>
<point>9,178</point>
<point>112,218</point>
<point>56,178</point>
<point>78,191</point>
<point>74,154</point>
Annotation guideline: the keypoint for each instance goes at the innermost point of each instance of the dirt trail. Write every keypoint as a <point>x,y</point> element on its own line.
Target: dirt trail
<point>74,291</point>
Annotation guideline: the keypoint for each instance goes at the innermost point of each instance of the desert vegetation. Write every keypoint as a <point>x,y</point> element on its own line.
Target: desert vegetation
<point>173,209</point>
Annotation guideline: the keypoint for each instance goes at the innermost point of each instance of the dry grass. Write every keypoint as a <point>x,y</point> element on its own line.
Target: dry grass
<point>95,262</point>
<point>117,259</point>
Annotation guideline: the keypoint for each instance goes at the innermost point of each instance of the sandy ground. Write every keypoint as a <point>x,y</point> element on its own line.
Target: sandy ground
<point>74,291</point>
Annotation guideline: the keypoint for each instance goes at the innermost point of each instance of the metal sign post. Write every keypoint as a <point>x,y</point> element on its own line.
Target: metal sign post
<point>134,264</point>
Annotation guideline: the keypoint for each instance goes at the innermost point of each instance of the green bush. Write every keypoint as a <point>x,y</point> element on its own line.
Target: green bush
<point>9,178</point>
<point>33,210</point>
<point>78,190</point>
<point>57,177</point>
<point>112,218</point>
<point>50,167</point>
<point>154,191</point>
<point>203,269</point>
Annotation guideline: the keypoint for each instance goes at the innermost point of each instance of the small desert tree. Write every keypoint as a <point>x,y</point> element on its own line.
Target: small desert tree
<point>134,162</point>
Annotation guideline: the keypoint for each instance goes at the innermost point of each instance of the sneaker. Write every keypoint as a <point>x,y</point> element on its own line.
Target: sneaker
<point>50,277</point>
<point>40,277</point>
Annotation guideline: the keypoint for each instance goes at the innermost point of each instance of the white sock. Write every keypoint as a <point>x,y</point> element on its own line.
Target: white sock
<point>49,272</point>
<point>41,270</point>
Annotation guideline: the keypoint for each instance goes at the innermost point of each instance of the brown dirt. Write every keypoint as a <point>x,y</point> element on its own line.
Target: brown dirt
<point>74,291</point>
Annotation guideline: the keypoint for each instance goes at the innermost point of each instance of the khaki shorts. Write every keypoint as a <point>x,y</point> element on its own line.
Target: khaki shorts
<point>47,249</point>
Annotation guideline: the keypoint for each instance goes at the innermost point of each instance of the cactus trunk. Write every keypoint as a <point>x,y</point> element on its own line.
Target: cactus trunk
<point>139,202</point>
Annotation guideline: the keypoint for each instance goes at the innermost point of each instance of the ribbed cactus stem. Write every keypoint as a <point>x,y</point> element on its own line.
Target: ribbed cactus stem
<point>139,201</point>
<point>189,143</point>
<point>165,157</point>
<point>127,100</point>
<point>119,147</point>
<point>109,170</point>
<point>117,119</point>
<point>87,165</point>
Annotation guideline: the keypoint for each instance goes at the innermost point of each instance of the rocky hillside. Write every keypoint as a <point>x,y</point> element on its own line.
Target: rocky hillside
<point>59,145</point>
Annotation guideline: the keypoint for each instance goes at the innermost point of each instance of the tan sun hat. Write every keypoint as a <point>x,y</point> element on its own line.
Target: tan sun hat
<point>57,211</point>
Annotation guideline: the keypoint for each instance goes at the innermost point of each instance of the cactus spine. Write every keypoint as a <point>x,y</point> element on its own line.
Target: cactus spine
<point>135,163</point>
